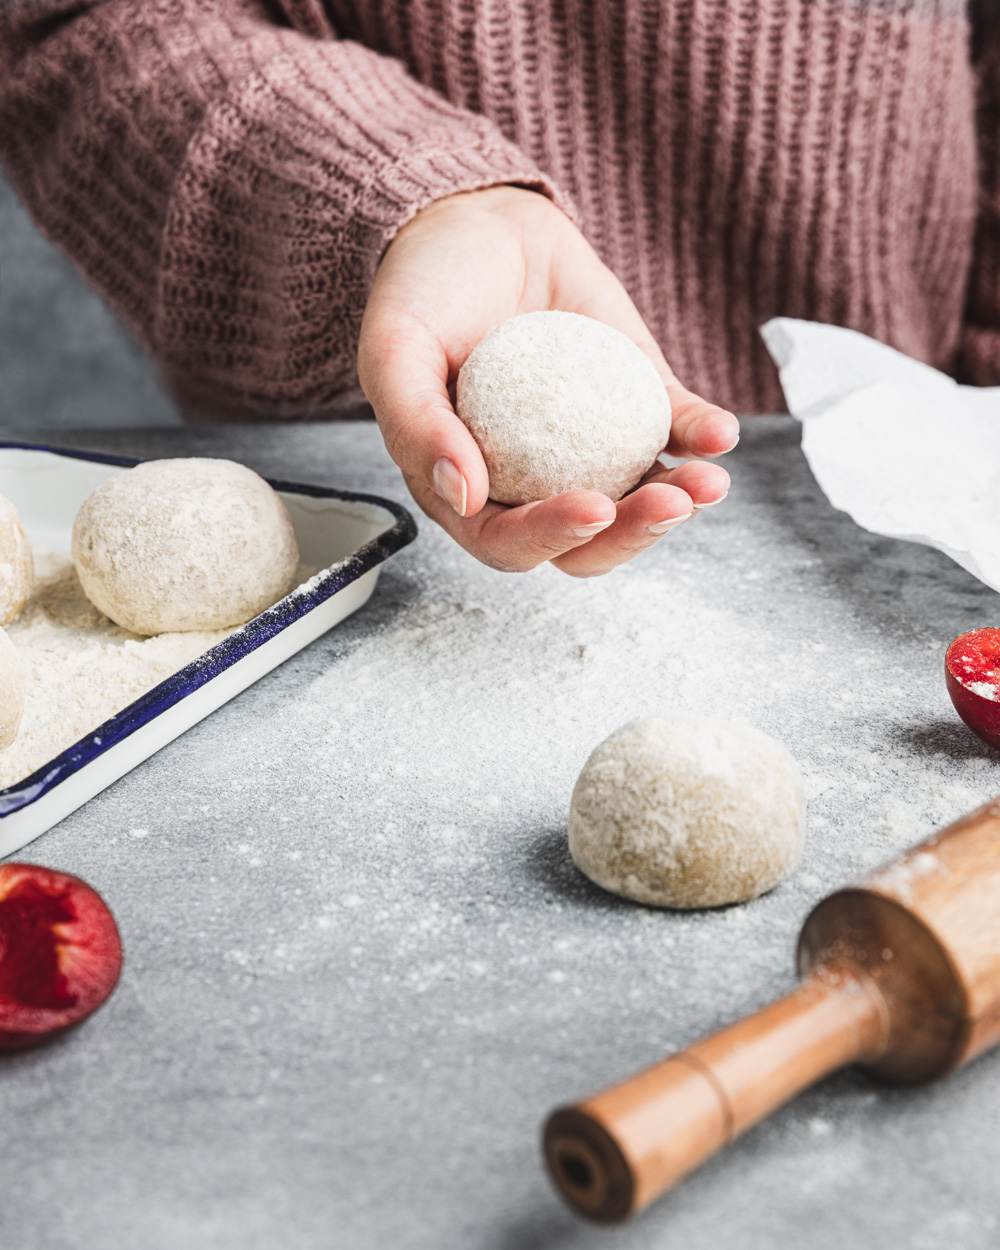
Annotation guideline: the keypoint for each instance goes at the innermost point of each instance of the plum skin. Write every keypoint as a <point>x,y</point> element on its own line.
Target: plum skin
<point>60,953</point>
<point>980,713</point>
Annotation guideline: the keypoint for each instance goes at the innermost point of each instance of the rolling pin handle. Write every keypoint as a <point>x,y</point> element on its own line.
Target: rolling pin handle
<point>613,1154</point>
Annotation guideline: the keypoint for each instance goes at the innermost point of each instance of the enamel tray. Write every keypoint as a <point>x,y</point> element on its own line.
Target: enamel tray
<point>346,535</point>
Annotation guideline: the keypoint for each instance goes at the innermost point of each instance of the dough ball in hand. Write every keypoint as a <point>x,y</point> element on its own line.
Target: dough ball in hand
<point>15,563</point>
<point>687,812</point>
<point>178,545</point>
<point>11,692</point>
<point>558,402</point>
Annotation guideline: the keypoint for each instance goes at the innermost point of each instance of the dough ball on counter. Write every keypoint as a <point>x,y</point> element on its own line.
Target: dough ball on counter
<point>15,563</point>
<point>687,811</point>
<point>177,545</point>
<point>11,692</point>
<point>558,402</point>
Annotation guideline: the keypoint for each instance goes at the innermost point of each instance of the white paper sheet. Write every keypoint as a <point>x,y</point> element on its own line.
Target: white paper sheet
<point>903,449</point>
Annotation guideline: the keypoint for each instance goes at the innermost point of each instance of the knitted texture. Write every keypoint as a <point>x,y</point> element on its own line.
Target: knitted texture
<point>981,355</point>
<point>228,174</point>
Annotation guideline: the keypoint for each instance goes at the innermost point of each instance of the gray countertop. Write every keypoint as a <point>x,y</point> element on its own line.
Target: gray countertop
<point>361,968</point>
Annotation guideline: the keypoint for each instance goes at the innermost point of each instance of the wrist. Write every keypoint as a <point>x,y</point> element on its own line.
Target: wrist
<point>504,200</point>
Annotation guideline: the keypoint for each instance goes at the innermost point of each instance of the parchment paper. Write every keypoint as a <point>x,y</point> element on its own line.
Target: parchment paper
<point>904,450</point>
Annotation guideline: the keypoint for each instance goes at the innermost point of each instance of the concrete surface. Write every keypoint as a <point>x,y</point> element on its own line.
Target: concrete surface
<point>361,968</point>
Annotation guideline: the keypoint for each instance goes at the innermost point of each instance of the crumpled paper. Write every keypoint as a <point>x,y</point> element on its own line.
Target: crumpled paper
<point>901,448</point>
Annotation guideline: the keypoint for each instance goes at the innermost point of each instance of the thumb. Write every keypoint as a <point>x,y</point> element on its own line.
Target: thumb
<point>405,378</point>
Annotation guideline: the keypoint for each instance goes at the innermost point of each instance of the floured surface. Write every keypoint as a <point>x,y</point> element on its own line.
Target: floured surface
<point>361,966</point>
<point>79,667</point>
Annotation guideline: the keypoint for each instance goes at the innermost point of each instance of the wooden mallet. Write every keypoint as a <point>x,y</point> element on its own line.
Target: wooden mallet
<point>900,975</point>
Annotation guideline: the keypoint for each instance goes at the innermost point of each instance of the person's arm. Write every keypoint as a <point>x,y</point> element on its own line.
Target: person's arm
<point>981,336</point>
<point>230,185</point>
<point>226,182</point>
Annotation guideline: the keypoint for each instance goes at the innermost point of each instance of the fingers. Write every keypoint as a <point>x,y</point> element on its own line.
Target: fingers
<point>581,532</point>
<point>405,377</point>
<point>517,539</point>
<point>705,484</point>
<point>642,518</point>
<point>666,499</point>
<point>697,427</point>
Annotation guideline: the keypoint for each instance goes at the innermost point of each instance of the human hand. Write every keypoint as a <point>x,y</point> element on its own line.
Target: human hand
<point>462,265</point>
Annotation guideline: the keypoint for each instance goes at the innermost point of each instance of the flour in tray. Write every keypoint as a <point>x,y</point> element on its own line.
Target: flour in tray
<point>79,667</point>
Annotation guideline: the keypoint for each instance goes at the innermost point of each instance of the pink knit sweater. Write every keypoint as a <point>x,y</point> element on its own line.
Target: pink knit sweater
<point>228,172</point>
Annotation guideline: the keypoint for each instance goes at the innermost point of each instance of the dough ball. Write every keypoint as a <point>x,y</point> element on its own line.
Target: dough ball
<point>11,692</point>
<point>558,402</point>
<point>687,812</point>
<point>177,545</point>
<point>15,563</point>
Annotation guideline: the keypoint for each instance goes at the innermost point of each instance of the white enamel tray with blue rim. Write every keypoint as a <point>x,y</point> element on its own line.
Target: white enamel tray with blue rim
<point>346,535</point>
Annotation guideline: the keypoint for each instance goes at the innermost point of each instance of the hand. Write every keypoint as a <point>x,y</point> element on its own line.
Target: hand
<point>462,265</point>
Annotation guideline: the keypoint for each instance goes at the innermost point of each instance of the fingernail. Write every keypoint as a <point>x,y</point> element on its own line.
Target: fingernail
<point>588,531</point>
<point>661,527</point>
<point>711,503</point>
<point>700,430</point>
<point>451,485</point>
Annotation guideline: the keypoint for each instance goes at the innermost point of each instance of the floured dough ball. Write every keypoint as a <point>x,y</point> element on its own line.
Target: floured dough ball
<point>15,563</point>
<point>687,812</point>
<point>177,545</point>
<point>11,692</point>
<point>561,402</point>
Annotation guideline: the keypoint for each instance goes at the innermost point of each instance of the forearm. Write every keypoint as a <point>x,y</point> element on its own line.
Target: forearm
<point>229,184</point>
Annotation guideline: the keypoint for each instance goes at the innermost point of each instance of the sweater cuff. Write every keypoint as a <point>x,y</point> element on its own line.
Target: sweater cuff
<point>229,184</point>
<point>289,193</point>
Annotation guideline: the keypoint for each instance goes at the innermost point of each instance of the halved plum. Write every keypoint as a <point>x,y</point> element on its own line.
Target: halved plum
<point>60,953</point>
<point>972,674</point>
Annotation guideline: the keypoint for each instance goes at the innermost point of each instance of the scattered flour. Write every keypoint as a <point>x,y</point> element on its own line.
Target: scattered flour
<point>11,692</point>
<point>899,877</point>
<point>79,667</point>
<point>902,822</point>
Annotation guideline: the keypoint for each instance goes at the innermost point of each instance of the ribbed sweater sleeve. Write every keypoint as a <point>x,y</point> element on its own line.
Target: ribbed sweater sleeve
<point>227,175</point>
<point>981,334</point>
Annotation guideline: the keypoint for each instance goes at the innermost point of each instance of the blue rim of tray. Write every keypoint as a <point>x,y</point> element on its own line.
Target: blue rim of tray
<point>224,654</point>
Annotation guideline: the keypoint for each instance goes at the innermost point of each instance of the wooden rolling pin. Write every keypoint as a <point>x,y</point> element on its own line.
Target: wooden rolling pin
<point>900,974</point>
